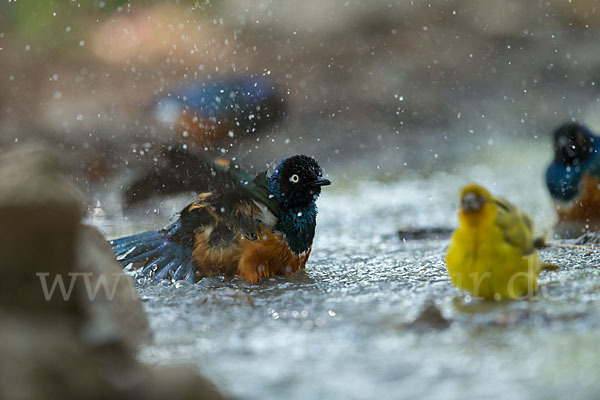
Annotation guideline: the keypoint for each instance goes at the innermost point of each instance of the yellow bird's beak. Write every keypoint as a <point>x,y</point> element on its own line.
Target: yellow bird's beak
<point>472,202</point>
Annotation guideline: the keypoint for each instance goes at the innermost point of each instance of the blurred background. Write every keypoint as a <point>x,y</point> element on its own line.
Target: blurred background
<point>401,101</point>
<point>357,84</point>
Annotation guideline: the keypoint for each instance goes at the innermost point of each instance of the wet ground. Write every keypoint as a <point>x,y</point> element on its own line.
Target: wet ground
<point>374,316</point>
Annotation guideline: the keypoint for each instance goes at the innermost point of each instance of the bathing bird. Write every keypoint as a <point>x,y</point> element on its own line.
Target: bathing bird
<point>209,115</point>
<point>245,225</point>
<point>573,179</point>
<point>212,112</point>
<point>492,253</point>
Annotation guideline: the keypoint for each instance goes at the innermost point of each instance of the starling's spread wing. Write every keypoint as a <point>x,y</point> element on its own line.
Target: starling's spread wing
<point>184,171</point>
<point>166,253</point>
<point>516,226</point>
<point>205,239</point>
<point>187,171</point>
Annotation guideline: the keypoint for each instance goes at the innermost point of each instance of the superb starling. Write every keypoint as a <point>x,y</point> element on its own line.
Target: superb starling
<point>245,225</point>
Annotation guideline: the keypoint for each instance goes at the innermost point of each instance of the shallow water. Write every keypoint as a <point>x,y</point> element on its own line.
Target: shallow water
<point>353,325</point>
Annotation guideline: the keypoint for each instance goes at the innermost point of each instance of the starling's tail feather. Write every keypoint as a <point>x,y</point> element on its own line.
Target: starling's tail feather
<point>161,258</point>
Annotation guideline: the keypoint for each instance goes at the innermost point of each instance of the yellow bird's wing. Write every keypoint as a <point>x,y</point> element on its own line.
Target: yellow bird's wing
<point>517,227</point>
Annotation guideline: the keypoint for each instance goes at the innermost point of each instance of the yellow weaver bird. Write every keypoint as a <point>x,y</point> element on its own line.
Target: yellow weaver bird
<point>493,252</point>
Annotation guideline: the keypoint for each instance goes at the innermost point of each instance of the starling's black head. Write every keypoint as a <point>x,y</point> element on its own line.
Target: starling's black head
<point>573,144</point>
<point>297,181</point>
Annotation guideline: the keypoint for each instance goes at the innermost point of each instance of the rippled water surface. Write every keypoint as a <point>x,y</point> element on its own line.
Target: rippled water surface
<point>374,316</point>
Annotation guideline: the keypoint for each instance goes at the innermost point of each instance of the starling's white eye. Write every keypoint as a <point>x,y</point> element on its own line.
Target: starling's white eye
<point>294,178</point>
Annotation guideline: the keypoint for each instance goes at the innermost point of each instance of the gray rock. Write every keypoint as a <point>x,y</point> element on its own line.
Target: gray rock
<point>75,341</point>
<point>43,358</point>
<point>40,213</point>
<point>114,313</point>
<point>179,383</point>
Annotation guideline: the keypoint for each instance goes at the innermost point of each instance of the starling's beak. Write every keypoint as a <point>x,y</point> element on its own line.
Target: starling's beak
<point>471,202</point>
<point>321,182</point>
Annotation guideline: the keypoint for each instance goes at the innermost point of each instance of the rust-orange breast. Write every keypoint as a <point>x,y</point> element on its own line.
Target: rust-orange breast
<point>267,256</point>
<point>583,213</point>
<point>250,256</point>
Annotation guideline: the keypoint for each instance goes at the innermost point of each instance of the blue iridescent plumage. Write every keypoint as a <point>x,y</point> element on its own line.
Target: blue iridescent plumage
<point>163,255</point>
<point>215,110</point>
<point>298,216</point>
<point>576,153</point>
<point>243,94</point>
<point>563,181</point>
<point>298,226</point>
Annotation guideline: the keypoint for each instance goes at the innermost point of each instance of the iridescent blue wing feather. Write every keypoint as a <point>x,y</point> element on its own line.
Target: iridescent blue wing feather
<point>166,253</point>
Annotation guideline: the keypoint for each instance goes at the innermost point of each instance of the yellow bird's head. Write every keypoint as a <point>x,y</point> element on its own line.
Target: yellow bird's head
<point>476,206</point>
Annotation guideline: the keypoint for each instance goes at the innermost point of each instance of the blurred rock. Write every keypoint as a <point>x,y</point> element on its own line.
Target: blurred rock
<point>41,358</point>
<point>430,318</point>
<point>113,309</point>
<point>76,338</point>
<point>178,383</point>
<point>40,215</point>
<point>425,233</point>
